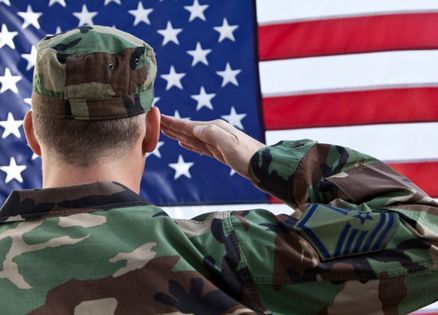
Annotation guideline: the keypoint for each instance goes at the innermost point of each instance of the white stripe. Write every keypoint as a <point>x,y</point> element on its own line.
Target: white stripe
<point>349,72</point>
<point>392,142</point>
<point>188,212</point>
<point>276,11</point>
<point>431,307</point>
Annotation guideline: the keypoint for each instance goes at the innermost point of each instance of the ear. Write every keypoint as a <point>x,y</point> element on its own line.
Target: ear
<point>30,134</point>
<point>152,130</point>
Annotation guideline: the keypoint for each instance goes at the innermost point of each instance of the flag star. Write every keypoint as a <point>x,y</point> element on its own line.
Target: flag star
<point>196,10</point>
<point>109,1</point>
<point>156,152</point>
<point>155,101</point>
<point>58,30</point>
<point>34,155</point>
<point>7,2</point>
<point>181,167</point>
<point>30,18</point>
<point>61,2</point>
<point>234,118</point>
<point>173,78</point>
<point>6,37</point>
<point>11,126</point>
<point>229,75</point>
<point>28,101</point>
<point>226,31</point>
<point>13,171</point>
<point>203,99</point>
<point>232,172</point>
<point>199,54</point>
<point>31,58</point>
<point>170,34</point>
<point>9,82</point>
<point>177,115</point>
<point>141,14</point>
<point>85,17</point>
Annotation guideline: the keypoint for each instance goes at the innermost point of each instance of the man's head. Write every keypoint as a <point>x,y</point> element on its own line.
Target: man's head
<point>92,95</point>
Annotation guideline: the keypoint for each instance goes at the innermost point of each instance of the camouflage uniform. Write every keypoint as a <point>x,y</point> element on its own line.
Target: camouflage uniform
<point>93,73</point>
<point>363,240</point>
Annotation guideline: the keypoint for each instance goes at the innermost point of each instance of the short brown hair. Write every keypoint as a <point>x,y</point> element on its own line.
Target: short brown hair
<point>81,142</point>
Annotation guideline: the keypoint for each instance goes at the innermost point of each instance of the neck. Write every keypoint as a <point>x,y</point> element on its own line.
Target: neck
<point>127,172</point>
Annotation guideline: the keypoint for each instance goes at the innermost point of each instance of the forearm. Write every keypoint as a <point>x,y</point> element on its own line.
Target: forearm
<point>299,172</point>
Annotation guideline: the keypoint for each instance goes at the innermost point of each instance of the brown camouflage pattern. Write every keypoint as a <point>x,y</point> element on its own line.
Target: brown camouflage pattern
<point>101,249</point>
<point>93,73</point>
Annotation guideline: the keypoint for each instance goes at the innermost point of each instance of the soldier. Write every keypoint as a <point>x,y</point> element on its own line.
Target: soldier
<point>363,239</point>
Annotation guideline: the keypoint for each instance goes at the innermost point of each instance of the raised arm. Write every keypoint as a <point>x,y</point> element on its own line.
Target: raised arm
<point>304,171</point>
<point>363,238</point>
<point>298,172</point>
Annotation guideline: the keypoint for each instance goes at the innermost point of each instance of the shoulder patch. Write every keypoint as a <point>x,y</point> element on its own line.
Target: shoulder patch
<point>337,232</point>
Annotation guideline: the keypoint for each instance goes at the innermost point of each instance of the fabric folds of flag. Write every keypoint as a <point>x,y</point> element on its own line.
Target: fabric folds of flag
<point>357,74</point>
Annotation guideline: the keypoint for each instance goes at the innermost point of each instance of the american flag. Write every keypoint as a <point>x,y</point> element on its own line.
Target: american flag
<point>356,73</point>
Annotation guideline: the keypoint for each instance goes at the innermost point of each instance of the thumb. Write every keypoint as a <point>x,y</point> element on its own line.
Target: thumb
<point>211,134</point>
<point>206,134</point>
<point>199,131</point>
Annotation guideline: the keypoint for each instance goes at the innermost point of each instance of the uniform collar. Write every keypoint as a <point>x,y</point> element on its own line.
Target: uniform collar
<point>37,203</point>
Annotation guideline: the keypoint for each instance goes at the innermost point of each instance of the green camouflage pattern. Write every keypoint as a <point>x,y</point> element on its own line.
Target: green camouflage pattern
<point>363,239</point>
<point>93,73</point>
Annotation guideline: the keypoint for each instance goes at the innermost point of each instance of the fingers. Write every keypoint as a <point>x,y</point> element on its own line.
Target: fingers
<point>214,134</point>
<point>182,126</point>
<point>194,144</point>
<point>188,146</point>
<point>206,150</point>
<point>178,136</point>
<point>185,126</point>
<point>202,150</point>
<point>215,138</point>
<point>189,143</point>
<point>216,153</point>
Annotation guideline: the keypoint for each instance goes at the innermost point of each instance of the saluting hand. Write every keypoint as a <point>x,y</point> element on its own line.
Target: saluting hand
<point>215,138</point>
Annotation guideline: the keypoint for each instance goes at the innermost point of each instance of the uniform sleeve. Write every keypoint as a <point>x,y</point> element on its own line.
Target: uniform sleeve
<point>300,172</point>
<point>362,237</point>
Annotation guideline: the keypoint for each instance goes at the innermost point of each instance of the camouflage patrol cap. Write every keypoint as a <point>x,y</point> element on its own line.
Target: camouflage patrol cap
<point>93,73</point>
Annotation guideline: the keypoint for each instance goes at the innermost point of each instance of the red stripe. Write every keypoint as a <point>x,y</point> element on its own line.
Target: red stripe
<point>348,35</point>
<point>423,174</point>
<point>351,108</point>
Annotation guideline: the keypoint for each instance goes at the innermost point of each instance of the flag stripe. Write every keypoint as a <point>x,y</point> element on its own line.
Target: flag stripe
<point>388,142</point>
<point>275,11</point>
<point>348,35</point>
<point>350,108</point>
<point>424,175</point>
<point>185,212</point>
<point>346,72</point>
<point>349,72</point>
<point>431,309</point>
<point>363,65</point>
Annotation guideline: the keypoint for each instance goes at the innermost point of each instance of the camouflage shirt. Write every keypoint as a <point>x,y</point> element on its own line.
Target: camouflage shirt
<point>363,240</point>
